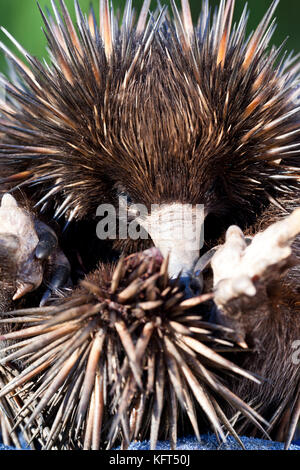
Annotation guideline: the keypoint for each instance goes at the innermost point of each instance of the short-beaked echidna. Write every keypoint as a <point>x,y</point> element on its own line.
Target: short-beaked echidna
<point>147,111</point>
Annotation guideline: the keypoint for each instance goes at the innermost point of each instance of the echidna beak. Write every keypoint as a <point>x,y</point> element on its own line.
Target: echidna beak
<point>176,230</point>
<point>182,260</point>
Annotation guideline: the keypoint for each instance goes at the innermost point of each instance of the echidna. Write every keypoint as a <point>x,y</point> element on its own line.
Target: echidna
<point>119,357</point>
<point>147,111</point>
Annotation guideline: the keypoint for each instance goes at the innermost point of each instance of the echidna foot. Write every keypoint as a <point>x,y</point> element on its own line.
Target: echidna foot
<point>29,249</point>
<point>240,269</point>
<point>243,271</point>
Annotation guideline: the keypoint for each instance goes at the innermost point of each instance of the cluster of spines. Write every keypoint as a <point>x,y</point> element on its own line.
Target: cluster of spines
<point>9,407</point>
<point>124,353</point>
<point>88,57</point>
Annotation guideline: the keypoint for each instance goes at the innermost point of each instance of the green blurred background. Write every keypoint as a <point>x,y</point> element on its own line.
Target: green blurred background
<point>22,19</point>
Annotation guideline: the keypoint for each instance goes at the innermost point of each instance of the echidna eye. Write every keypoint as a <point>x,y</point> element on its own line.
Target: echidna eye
<point>126,205</point>
<point>122,192</point>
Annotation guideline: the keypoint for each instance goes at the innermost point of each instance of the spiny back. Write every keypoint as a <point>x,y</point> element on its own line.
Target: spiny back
<point>155,108</point>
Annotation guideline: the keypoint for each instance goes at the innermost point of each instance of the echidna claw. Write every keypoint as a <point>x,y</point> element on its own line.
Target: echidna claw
<point>205,260</point>
<point>47,241</point>
<point>23,289</point>
<point>61,274</point>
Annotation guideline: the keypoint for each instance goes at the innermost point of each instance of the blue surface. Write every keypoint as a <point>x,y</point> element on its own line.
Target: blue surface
<point>2,447</point>
<point>208,442</point>
<point>22,443</point>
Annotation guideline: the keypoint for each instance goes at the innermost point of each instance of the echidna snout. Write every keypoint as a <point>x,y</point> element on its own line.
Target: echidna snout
<point>176,229</point>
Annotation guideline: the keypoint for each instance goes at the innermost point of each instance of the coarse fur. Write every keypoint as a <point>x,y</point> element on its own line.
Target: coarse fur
<point>162,112</point>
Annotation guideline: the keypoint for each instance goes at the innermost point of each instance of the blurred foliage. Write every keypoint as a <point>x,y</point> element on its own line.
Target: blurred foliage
<point>23,20</point>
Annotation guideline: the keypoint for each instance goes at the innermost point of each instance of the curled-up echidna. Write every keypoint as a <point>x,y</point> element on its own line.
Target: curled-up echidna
<point>171,133</point>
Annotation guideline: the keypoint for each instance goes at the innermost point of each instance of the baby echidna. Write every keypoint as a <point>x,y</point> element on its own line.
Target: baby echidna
<point>148,112</point>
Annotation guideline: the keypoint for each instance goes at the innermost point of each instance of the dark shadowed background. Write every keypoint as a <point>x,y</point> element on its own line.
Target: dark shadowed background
<point>22,19</point>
